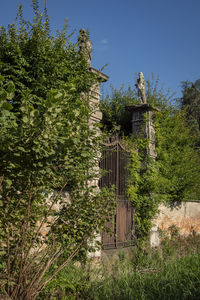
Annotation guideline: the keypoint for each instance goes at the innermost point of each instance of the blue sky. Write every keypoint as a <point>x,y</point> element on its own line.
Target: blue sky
<point>152,36</point>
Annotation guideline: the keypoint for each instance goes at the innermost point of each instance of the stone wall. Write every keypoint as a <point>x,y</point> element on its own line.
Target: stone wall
<point>185,216</point>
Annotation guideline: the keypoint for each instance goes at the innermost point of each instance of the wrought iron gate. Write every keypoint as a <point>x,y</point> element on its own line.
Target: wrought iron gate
<point>115,162</point>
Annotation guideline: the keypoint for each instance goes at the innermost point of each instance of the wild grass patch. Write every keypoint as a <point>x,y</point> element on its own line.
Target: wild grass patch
<point>171,271</point>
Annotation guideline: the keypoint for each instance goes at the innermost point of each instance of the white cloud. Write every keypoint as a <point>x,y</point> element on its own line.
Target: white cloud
<point>104,42</point>
<point>102,45</point>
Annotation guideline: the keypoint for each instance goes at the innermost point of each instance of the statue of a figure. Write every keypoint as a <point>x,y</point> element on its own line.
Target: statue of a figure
<point>85,45</point>
<point>140,85</point>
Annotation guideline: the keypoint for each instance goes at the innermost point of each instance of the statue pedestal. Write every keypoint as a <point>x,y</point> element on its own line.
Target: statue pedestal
<point>143,125</point>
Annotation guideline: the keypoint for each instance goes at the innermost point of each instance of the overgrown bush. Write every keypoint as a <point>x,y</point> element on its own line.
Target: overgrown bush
<point>49,209</point>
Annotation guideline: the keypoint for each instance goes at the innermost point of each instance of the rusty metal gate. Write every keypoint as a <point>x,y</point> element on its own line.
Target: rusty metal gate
<point>115,160</point>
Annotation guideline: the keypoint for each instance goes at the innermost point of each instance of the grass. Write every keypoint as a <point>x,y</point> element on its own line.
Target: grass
<point>171,271</point>
<point>179,280</point>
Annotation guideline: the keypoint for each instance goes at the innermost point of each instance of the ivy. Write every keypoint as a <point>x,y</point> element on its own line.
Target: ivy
<point>141,188</point>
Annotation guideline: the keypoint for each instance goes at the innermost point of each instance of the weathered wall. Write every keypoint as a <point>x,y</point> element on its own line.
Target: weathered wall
<point>185,216</point>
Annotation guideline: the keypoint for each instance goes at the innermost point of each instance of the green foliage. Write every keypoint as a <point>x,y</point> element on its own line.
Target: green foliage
<point>34,59</point>
<point>49,209</point>
<point>170,271</point>
<point>177,157</point>
<point>141,189</point>
<point>114,112</point>
<point>191,102</point>
<point>156,95</point>
<point>71,283</point>
<point>173,176</point>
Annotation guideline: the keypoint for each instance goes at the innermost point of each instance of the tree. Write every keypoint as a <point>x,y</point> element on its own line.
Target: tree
<point>191,102</point>
<point>49,210</point>
<point>178,160</point>
<point>114,110</point>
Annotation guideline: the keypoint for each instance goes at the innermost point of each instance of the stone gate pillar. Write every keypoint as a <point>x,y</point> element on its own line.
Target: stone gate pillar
<point>143,124</point>
<point>85,46</point>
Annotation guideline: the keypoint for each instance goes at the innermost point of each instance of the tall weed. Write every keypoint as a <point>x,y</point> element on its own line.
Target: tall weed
<point>171,271</point>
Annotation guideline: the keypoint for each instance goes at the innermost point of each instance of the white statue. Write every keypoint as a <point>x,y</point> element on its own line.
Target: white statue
<point>141,88</point>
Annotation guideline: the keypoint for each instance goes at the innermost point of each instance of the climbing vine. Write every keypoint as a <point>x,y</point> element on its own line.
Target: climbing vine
<point>141,188</point>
